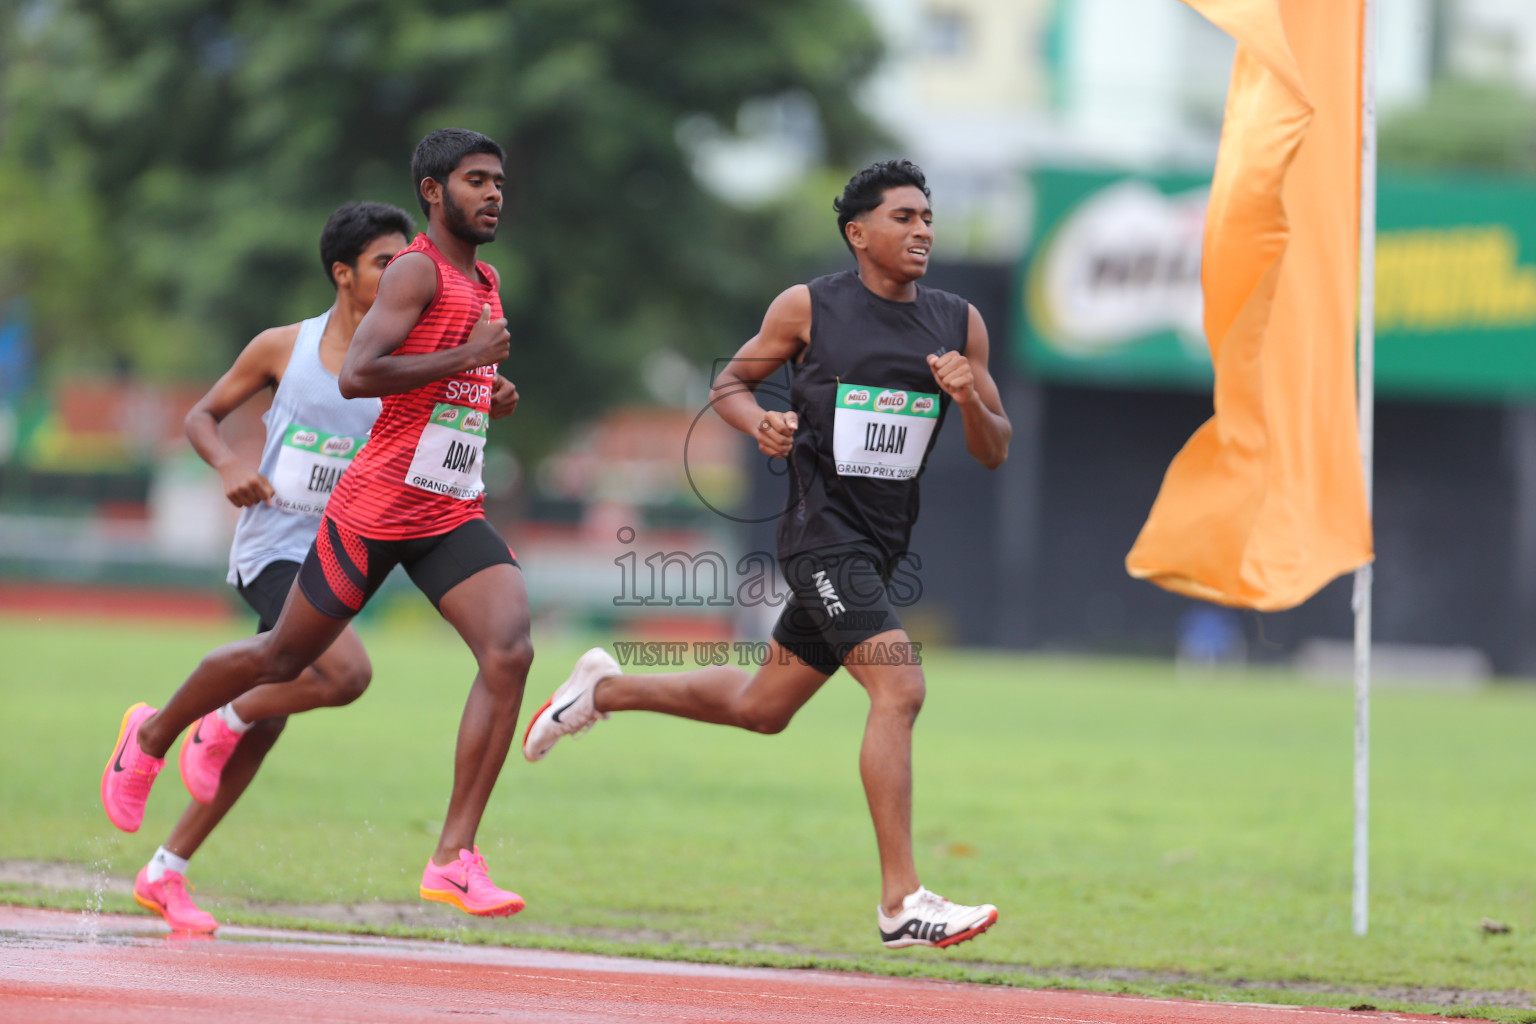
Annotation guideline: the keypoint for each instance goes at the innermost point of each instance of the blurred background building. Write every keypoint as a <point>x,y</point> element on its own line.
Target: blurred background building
<point>166,173</point>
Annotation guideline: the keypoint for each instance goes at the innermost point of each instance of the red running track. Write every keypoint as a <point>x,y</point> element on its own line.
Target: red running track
<point>58,967</point>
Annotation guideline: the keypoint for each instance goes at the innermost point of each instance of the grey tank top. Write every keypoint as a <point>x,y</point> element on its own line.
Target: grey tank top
<point>313,433</point>
<point>869,412</point>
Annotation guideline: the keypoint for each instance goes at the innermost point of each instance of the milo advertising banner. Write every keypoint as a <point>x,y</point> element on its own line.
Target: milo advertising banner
<point>1111,290</point>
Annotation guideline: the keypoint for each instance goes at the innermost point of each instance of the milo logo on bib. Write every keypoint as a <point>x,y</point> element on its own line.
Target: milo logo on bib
<point>882,432</point>
<point>449,453</point>
<point>309,462</point>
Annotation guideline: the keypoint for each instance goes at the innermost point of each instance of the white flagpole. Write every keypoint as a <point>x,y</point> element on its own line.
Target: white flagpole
<point>1367,383</point>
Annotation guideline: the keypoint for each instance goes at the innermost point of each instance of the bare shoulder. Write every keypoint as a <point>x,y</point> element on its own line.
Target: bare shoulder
<point>410,271</point>
<point>412,262</point>
<point>975,333</point>
<point>284,335</point>
<point>260,364</point>
<point>270,350</point>
<point>794,300</point>
<point>789,315</point>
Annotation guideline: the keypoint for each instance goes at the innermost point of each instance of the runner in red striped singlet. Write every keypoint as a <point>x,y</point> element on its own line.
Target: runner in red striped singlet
<point>392,495</point>
<point>429,347</point>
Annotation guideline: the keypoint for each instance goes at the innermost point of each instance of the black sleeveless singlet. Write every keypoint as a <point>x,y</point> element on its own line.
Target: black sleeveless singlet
<point>869,412</point>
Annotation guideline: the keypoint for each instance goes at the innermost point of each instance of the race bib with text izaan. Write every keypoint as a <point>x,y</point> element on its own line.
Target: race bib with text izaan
<point>309,462</point>
<point>882,432</point>
<point>450,451</point>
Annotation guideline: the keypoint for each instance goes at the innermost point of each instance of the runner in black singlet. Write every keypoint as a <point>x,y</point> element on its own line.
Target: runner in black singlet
<point>880,362</point>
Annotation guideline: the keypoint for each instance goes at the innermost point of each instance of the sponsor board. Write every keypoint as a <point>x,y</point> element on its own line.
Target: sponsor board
<point>1111,288</point>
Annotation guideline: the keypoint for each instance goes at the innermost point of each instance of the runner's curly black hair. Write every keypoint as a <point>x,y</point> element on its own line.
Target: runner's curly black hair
<point>353,228</point>
<point>442,151</point>
<point>866,190</point>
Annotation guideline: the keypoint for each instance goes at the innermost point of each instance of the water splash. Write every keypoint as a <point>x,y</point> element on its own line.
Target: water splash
<point>88,928</point>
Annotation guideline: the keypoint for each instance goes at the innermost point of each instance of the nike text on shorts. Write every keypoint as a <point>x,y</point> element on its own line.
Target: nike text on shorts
<point>838,598</point>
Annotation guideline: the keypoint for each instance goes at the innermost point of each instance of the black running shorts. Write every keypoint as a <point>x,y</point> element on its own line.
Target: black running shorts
<point>267,592</point>
<point>343,569</point>
<point>837,600</point>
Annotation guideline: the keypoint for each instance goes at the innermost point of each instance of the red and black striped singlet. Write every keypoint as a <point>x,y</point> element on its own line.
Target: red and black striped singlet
<point>419,473</point>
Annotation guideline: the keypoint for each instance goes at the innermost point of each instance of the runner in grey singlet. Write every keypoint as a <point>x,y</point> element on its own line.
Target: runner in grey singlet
<point>313,433</point>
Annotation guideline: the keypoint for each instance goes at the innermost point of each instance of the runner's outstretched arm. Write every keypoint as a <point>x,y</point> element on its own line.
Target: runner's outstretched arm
<point>371,368</point>
<point>966,379</point>
<point>785,333</point>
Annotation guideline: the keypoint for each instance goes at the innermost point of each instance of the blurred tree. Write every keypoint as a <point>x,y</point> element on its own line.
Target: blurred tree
<point>171,164</point>
<point>1464,126</point>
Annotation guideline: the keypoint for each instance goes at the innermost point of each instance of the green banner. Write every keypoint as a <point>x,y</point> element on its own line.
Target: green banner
<point>340,445</point>
<point>1111,288</point>
<point>891,400</point>
<point>459,417</point>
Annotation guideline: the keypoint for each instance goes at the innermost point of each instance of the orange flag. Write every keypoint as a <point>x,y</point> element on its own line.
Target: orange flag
<point>1266,502</point>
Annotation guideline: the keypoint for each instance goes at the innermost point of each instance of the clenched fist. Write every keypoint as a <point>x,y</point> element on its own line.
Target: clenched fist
<point>243,485</point>
<point>952,371</point>
<point>503,398</point>
<point>488,342</point>
<point>776,433</point>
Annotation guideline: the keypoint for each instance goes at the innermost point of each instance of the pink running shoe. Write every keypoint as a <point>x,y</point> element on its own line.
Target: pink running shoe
<point>168,898</point>
<point>129,774</point>
<point>204,753</point>
<point>465,884</point>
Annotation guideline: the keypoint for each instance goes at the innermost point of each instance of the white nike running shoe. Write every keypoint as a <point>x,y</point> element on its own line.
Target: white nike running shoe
<point>570,709</point>
<point>928,919</point>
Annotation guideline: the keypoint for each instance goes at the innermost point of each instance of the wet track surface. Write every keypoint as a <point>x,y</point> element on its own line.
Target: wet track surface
<point>58,966</point>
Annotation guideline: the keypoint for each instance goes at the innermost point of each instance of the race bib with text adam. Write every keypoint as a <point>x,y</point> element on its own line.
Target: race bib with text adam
<point>450,452</point>
<point>882,432</point>
<point>309,462</point>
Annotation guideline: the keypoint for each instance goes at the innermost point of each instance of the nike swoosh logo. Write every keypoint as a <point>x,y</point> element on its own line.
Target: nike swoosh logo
<point>117,762</point>
<point>462,888</point>
<point>566,707</point>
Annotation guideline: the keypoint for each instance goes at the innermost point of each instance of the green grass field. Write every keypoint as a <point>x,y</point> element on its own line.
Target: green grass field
<point>1119,816</point>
